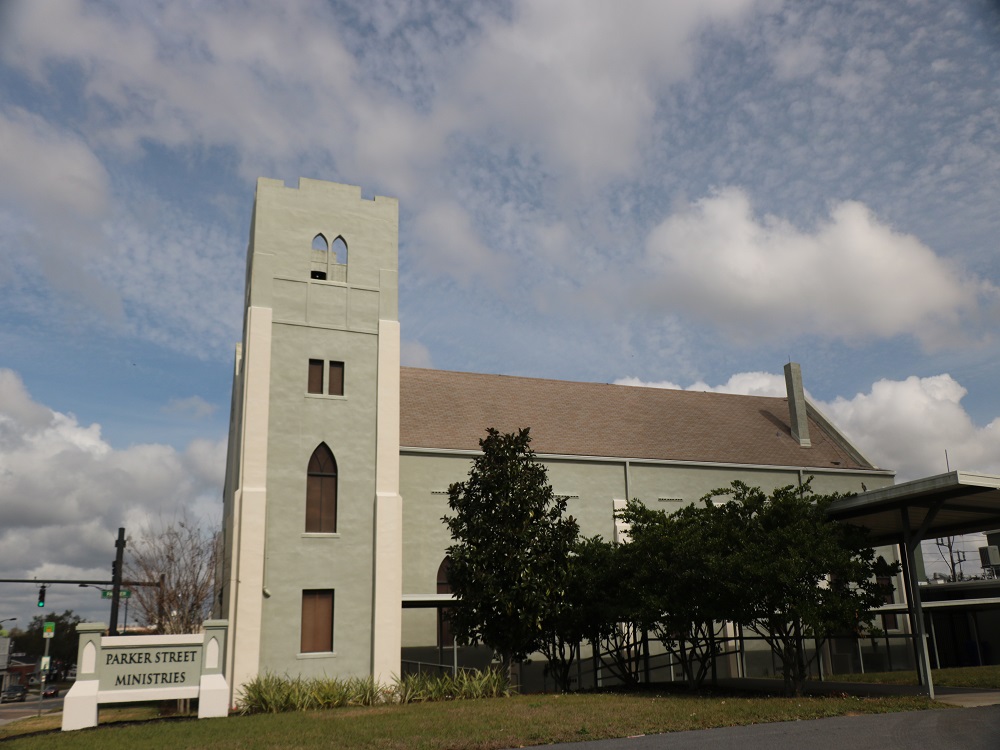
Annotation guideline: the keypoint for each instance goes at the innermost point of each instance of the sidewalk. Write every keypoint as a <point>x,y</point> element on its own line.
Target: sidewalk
<point>963,697</point>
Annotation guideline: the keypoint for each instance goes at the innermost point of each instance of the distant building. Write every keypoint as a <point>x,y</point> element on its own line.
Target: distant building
<point>339,459</point>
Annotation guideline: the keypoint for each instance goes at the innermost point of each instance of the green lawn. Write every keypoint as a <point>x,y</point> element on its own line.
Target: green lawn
<point>478,725</point>
<point>973,677</point>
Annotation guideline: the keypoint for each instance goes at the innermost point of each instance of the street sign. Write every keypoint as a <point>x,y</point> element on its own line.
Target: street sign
<point>124,594</point>
<point>46,663</point>
<point>49,630</point>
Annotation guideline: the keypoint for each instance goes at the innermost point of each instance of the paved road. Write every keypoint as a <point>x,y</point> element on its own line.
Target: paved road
<point>13,711</point>
<point>944,729</point>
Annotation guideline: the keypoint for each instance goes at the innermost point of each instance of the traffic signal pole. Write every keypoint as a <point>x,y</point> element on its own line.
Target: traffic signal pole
<point>116,580</point>
<point>42,673</point>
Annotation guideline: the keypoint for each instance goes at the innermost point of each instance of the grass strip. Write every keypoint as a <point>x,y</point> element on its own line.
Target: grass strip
<point>467,725</point>
<point>987,678</point>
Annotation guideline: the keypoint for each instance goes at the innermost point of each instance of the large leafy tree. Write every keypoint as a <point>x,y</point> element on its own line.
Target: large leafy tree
<point>682,579</point>
<point>512,548</point>
<point>64,643</point>
<point>797,574</point>
<point>611,614</point>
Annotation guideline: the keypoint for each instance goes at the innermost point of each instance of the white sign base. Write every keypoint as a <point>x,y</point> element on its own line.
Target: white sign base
<point>128,669</point>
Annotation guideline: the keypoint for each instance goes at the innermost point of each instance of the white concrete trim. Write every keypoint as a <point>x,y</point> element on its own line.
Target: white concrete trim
<point>213,697</point>
<point>403,450</point>
<point>326,327</point>
<point>245,627</point>
<point>990,601</point>
<point>134,641</point>
<point>387,583</point>
<point>80,706</point>
<point>329,282</point>
<point>147,694</point>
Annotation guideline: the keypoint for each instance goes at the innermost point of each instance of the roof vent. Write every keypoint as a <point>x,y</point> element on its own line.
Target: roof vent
<point>797,404</point>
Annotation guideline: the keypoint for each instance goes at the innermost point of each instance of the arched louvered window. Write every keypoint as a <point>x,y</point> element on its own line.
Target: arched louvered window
<point>321,492</point>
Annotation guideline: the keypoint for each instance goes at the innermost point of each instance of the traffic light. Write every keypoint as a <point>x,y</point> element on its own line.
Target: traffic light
<point>41,596</point>
<point>114,571</point>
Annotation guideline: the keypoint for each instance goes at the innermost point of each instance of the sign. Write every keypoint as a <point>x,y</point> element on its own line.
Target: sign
<point>122,594</point>
<point>151,666</point>
<point>49,630</point>
<point>46,663</point>
<point>129,669</point>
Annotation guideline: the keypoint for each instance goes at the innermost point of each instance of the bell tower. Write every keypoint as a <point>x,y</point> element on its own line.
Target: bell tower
<point>311,573</point>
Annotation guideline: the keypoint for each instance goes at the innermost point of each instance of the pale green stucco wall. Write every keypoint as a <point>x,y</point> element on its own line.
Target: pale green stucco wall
<point>596,483</point>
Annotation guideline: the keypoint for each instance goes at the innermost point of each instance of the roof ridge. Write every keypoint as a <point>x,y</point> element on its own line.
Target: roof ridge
<point>585,383</point>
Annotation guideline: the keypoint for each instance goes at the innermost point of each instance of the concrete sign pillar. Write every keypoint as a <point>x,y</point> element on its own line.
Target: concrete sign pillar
<point>126,669</point>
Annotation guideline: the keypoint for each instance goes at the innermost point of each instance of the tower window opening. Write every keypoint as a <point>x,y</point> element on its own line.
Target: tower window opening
<point>317,621</point>
<point>315,376</point>
<point>319,243</point>
<point>339,249</point>
<point>336,385</point>
<point>321,492</point>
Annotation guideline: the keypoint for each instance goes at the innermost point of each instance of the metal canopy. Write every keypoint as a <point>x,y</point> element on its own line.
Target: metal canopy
<point>428,601</point>
<point>958,502</point>
<point>954,503</point>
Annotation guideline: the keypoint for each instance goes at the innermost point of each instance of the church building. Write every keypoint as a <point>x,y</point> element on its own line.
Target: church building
<point>339,459</point>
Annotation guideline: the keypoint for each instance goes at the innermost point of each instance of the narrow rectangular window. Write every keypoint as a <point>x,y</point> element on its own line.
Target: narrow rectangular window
<point>336,379</point>
<point>315,376</point>
<point>317,621</point>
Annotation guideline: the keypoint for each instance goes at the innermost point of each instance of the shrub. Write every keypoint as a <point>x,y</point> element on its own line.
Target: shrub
<point>269,693</point>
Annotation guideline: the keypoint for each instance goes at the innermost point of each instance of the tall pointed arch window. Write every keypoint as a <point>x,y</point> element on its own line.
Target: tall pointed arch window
<point>321,492</point>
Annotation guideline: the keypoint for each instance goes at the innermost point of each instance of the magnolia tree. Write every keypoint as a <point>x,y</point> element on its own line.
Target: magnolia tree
<point>510,561</point>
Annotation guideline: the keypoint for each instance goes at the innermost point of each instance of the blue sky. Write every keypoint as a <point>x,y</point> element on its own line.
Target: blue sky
<point>685,194</point>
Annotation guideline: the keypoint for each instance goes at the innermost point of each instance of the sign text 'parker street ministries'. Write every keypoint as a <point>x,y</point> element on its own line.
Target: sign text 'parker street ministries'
<point>150,667</point>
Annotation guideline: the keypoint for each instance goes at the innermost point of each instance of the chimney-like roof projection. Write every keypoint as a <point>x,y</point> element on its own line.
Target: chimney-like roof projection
<point>451,410</point>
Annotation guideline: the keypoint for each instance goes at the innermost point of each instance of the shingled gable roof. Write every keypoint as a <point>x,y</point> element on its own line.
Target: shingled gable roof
<point>451,410</point>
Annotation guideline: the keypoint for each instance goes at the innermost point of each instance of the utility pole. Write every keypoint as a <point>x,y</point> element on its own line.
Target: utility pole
<point>116,580</point>
<point>161,613</point>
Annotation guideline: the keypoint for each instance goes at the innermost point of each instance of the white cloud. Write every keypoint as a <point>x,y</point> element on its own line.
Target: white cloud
<point>228,74</point>
<point>193,406</point>
<point>449,243</point>
<point>798,58</point>
<point>64,490</point>
<point>851,277</point>
<point>901,425</point>
<point>54,194</point>
<point>415,354</point>
<point>907,425</point>
<point>580,84</point>
<point>742,383</point>
<point>48,172</point>
<point>283,86</point>
<point>638,382</point>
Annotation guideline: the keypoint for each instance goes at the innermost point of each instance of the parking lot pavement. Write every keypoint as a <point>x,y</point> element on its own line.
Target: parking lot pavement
<point>942,729</point>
